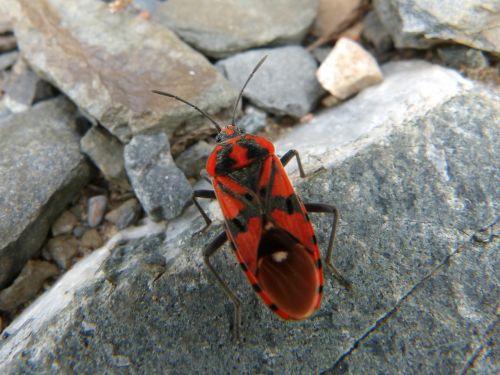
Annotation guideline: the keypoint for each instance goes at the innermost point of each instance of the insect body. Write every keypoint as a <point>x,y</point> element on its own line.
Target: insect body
<point>266,223</point>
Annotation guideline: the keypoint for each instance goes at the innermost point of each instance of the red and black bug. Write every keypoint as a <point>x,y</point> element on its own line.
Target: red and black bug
<point>266,222</point>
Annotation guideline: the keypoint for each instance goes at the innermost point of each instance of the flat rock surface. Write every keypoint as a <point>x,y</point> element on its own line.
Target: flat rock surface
<point>285,84</point>
<point>39,149</point>
<point>424,23</point>
<point>81,47</point>
<point>224,27</point>
<point>412,199</point>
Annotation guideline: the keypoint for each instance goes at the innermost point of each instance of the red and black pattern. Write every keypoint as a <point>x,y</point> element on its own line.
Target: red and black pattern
<point>267,223</point>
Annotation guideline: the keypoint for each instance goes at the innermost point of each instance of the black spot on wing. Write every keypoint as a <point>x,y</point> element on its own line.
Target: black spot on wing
<point>273,307</point>
<point>257,288</point>
<point>289,206</point>
<point>239,224</point>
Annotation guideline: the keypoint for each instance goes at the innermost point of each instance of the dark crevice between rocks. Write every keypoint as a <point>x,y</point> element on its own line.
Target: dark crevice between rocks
<point>339,365</point>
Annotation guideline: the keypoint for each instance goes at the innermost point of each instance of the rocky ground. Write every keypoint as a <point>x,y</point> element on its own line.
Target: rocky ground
<point>393,106</point>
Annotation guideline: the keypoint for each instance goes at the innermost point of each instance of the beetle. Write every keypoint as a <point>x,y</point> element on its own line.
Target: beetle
<point>266,222</point>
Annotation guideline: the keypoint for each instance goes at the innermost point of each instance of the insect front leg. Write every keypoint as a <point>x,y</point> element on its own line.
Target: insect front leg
<point>327,208</point>
<point>288,156</point>
<point>210,250</point>
<point>209,194</point>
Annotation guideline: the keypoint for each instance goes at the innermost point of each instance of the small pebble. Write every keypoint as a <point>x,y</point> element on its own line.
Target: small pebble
<point>79,231</point>
<point>62,249</point>
<point>125,215</point>
<point>91,239</point>
<point>64,224</point>
<point>96,209</point>
<point>27,284</point>
<point>348,69</point>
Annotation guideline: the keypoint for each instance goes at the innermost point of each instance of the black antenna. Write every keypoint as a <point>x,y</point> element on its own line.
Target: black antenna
<point>219,129</point>
<point>245,85</point>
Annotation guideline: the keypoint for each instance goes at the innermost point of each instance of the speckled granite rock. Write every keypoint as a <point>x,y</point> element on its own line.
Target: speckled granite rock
<point>411,198</point>
<point>41,171</point>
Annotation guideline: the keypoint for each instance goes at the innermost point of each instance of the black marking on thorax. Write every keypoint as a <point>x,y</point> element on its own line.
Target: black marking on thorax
<point>224,162</point>
<point>254,153</point>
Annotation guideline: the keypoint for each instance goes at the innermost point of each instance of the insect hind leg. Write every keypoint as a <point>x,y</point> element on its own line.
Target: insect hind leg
<point>327,208</point>
<point>210,250</point>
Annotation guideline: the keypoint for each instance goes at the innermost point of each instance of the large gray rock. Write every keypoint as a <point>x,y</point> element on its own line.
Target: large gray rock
<point>224,27</point>
<point>285,84</point>
<point>411,197</point>
<point>109,63</point>
<point>158,183</point>
<point>41,171</point>
<point>424,23</point>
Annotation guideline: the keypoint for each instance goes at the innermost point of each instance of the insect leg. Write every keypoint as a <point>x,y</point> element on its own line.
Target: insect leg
<point>288,156</point>
<point>210,250</point>
<point>326,208</point>
<point>209,194</point>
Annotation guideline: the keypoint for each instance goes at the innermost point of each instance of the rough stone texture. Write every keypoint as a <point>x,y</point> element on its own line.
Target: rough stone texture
<point>411,200</point>
<point>107,154</point>
<point>253,120</point>
<point>5,23</point>
<point>27,284</point>
<point>64,223</point>
<point>333,16</point>
<point>7,43</point>
<point>348,69</point>
<point>193,160</point>
<point>24,87</point>
<point>285,84</point>
<point>458,57</point>
<point>126,214</point>
<point>375,33</point>
<point>8,59</point>
<point>39,149</point>
<point>62,250</point>
<point>409,89</point>
<point>96,208</point>
<point>160,186</point>
<point>224,27</point>
<point>81,47</point>
<point>91,239</point>
<point>424,23</point>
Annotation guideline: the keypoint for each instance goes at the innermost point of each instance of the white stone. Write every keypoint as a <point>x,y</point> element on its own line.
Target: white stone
<point>348,69</point>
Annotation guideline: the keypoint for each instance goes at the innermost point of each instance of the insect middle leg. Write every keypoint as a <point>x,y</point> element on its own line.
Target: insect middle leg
<point>210,250</point>
<point>288,156</point>
<point>209,194</point>
<point>327,208</point>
